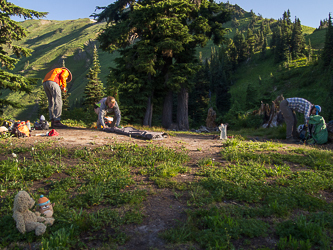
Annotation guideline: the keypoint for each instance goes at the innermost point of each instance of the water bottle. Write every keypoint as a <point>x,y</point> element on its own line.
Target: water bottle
<point>28,125</point>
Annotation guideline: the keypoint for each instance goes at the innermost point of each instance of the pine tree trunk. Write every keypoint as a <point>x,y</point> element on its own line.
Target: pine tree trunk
<point>182,109</point>
<point>149,113</point>
<point>167,110</point>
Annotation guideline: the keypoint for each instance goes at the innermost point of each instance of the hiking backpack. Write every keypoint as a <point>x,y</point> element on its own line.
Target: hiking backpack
<point>20,129</point>
<point>42,125</point>
<point>318,130</point>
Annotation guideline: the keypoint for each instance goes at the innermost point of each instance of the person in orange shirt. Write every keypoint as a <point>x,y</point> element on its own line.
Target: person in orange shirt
<point>54,82</point>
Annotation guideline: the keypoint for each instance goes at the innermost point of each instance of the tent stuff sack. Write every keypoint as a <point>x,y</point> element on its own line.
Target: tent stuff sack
<point>42,125</point>
<point>130,131</point>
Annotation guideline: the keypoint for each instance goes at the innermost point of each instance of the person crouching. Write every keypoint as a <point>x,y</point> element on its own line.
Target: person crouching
<point>108,105</point>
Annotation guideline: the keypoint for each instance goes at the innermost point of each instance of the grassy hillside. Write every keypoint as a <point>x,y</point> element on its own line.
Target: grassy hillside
<point>53,42</point>
<point>72,41</point>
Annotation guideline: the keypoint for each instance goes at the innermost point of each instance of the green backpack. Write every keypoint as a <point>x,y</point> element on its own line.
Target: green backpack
<point>318,130</point>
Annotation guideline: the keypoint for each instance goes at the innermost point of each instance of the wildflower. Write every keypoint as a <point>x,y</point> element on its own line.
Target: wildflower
<point>32,149</point>
<point>14,155</point>
<point>16,160</point>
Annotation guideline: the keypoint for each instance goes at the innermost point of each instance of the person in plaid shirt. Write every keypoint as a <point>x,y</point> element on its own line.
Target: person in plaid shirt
<point>300,105</point>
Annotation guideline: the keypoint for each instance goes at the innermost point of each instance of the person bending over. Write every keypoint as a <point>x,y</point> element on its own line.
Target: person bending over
<point>300,105</point>
<point>108,105</point>
<point>54,82</point>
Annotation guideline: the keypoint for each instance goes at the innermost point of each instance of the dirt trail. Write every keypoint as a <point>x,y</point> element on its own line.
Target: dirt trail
<point>198,146</point>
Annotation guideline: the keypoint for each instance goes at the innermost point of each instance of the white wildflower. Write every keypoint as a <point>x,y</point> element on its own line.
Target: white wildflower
<point>16,160</point>
<point>14,155</point>
<point>32,149</point>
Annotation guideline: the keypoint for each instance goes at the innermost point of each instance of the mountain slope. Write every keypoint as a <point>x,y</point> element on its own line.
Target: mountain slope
<point>72,41</point>
<point>53,42</point>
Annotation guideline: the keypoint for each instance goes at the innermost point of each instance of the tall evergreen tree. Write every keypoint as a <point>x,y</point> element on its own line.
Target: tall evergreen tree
<point>251,42</point>
<point>199,97</point>
<point>163,55</point>
<point>327,54</point>
<point>264,48</point>
<point>65,104</point>
<point>94,90</point>
<point>282,38</point>
<point>310,52</point>
<point>285,39</point>
<point>12,31</point>
<point>232,54</point>
<point>297,40</point>
<point>65,99</point>
<point>241,46</point>
<point>43,104</point>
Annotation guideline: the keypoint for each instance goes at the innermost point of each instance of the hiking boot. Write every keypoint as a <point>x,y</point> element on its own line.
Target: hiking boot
<point>57,124</point>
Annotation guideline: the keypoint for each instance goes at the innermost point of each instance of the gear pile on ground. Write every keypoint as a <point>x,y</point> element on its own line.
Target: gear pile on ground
<point>133,132</point>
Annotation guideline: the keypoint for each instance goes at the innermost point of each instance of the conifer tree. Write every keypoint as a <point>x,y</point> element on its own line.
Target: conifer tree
<point>282,38</point>
<point>241,46</point>
<point>310,52</point>
<point>65,104</point>
<point>232,54</point>
<point>327,54</point>
<point>157,42</point>
<point>199,97</point>
<point>11,31</point>
<point>285,39</point>
<point>94,90</point>
<point>297,40</point>
<point>250,41</point>
<point>43,104</point>
<point>264,48</point>
<point>65,99</point>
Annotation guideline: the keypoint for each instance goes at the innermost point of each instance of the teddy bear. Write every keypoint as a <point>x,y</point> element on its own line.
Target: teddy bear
<point>27,220</point>
<point>45,208</point>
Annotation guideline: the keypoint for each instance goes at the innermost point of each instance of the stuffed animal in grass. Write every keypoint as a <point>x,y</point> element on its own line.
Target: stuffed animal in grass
<point>27,220</point>
<point>45,207</point>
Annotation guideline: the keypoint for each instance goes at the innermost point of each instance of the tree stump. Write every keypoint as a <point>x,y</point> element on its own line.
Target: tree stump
<point>210,120</point>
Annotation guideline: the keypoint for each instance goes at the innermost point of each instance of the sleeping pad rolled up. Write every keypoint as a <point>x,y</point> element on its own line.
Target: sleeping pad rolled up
<point>133,132</point>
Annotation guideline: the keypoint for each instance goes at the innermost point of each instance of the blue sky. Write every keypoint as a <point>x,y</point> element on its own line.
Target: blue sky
<point>310,12</point>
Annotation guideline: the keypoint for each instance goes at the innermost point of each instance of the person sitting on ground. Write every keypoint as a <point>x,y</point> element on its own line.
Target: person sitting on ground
<point>300,105</point>
<point>54,82</point>
<point>108,105</point>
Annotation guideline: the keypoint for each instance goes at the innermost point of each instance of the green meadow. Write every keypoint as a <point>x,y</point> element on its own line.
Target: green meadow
<point>255,195</point>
